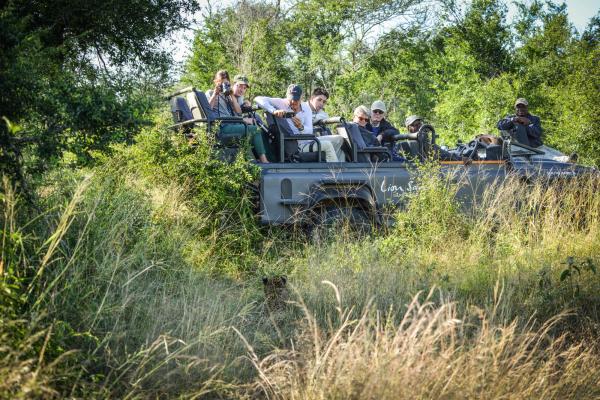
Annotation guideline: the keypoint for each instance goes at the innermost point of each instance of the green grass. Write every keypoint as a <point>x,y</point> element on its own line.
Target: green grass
<point>136,282</point>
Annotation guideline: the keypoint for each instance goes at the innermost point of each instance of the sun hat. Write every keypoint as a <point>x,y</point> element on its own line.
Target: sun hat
<point>411,120</point>
<point>521,101</point>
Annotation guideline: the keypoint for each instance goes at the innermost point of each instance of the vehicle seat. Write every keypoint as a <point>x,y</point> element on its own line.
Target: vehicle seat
<point>204,105</point>
<point>494,152</point>
<point>180,110</point>
<point>194,106</point>
<point>360,151</point>
<point>517,134</point>
<point>286,142</point>
<point>182,116</point>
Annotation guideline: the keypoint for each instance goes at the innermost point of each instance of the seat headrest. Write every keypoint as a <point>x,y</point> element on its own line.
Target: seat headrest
<point>205,105</point>
<point>180,110</point>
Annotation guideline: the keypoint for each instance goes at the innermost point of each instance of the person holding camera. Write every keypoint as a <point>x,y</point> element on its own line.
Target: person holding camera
<point>221,98</point>
<point>224,103</point>
<point>298,115</point>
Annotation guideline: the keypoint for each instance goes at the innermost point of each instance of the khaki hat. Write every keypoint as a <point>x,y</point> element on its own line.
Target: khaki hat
<point>378,105</point>
<point>521,101</point>
<point>411,120</point>
<point>241,79</point>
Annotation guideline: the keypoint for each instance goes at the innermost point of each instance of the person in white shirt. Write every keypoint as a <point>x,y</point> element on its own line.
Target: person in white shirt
<point>317,102</point>
<point>301,123</point>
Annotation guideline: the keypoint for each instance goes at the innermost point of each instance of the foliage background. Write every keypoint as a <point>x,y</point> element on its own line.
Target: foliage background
<point>460,65</point>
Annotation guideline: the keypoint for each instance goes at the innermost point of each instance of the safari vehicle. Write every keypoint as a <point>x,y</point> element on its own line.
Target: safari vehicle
<point>302,187</point>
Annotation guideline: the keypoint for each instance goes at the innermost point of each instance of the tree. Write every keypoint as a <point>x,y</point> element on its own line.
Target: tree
<point>247,38</point>
<point>71,73</point>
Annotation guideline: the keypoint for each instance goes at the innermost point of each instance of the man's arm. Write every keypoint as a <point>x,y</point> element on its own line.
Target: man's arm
<point>387,133</point>
<point>269,104</point>
<point>388,128</point>
<point>506,124</point>
<point>534,129</point>
<point>235,105</point>
<point>321,115</point>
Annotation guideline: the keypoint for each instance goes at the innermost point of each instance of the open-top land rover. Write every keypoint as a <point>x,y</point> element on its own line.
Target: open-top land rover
<point>302,187</point>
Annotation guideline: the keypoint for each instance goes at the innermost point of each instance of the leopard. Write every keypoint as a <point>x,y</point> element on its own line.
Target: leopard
<point>276,294</point>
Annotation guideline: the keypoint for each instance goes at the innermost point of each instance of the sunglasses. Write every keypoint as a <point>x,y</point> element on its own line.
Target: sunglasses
<point>377,112</point>
<point>362,119</point>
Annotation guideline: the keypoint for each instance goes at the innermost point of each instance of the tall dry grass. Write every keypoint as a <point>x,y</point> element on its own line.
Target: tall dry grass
<point>525,235</point>
<point>147,295</point>
<point>432,352</point>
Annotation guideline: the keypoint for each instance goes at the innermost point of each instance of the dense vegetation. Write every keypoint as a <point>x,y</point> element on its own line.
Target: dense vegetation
<point>461,68</point>
<point>131,262</point>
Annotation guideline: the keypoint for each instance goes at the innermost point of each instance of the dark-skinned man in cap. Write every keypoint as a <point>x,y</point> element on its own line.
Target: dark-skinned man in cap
<point>413,123</point>
<point>526,128</point>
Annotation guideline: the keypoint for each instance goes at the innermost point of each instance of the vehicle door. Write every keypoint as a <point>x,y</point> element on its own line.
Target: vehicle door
<point>475,179</point>
<point>392,182</point>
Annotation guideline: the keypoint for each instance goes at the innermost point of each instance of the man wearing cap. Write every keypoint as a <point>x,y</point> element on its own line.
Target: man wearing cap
<point>413,123</point>
<point>379,126</point>
<point>301,123</point>
<point>402,148</point>
<point>240,86</point>
<point>528,128</point>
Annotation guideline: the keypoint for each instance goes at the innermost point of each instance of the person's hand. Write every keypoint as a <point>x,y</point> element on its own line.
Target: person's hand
<point>249,121</point>
<point>279,113</point>
<point>380,138</point>
<point>297,123</point>
<point>218,88</point>
<point>525,120</point>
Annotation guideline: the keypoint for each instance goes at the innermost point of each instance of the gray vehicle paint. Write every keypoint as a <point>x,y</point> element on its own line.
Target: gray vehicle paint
<point>289,191</point>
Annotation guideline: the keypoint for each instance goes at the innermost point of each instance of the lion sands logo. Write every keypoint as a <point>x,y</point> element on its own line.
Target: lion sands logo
<point>396,190</point>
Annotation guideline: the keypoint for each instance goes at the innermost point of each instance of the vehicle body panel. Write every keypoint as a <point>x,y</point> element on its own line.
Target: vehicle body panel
<point>289,190</point>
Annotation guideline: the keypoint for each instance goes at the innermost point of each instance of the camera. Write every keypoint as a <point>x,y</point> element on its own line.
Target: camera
<point>289,114</point>
<point>247,109</point>
<point>226,88</point>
